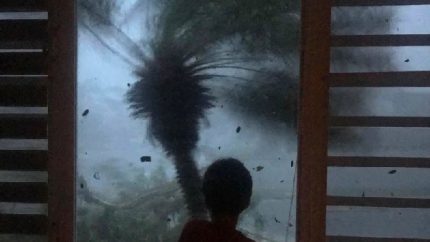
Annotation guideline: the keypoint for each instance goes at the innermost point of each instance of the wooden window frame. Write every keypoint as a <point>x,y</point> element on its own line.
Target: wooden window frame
<point>62,67</point>
<point>312,120</point>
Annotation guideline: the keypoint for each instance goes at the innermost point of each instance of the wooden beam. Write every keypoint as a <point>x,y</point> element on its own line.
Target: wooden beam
<point>378,202</point>
<point>313,120</point>
<point>381,79</point>
<point>357,3</point>
<point>380,40</point>
<point>354,161</point>
<point>370,239</point>
<point>62,127</point>
<point>22,63</point>
<point>371,121</point>
<point>24,192</point>
<point>23,6</point>
<point>21,160</point>
<point>23,126</point>
<point>23,224</point>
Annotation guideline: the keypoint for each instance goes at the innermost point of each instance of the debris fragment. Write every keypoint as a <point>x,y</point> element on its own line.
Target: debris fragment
<point>128,84</point>
<point>238,129</point>
<point>277,221</point>
<point>282,181</point>
<point>407,60</point>
<point>392,172</point>
<point>292,163</point>
<point>86,112</point>
<point>219,147</point>
<point>82,185</point>
<point>145,159</point>
<point>259,168</point>
<point>290,224</point>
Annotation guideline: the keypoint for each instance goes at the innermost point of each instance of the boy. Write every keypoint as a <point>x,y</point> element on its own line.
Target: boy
<point>227,187</point>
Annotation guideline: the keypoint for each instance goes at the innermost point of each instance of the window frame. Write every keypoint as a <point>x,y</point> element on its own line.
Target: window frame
<point>312,120</point>
<point>62,68</point>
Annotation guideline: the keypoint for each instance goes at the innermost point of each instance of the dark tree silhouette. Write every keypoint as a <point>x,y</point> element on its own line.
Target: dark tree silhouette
<point>170,95</point>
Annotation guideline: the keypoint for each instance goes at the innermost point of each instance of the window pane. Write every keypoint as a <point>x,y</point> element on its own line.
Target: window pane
<point>162,80</point>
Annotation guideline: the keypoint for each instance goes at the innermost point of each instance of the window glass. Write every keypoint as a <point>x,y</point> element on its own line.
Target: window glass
<point>160,82</point>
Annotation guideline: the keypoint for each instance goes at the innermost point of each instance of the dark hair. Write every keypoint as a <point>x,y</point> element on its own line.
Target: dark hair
<point>227,187</point>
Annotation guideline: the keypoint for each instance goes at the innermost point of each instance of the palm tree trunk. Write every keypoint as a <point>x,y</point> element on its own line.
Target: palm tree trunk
<point>190,181</point>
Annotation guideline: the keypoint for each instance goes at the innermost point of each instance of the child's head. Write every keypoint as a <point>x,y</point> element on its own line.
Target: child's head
<point>227,187</point>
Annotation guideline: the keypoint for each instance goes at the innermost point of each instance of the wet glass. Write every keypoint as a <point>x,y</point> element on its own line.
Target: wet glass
<point>238,96</point>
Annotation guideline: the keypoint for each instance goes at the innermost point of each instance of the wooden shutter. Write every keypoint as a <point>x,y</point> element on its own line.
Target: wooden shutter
<point>23,118</point>
<point>37,74</point>
<point>416,79</point>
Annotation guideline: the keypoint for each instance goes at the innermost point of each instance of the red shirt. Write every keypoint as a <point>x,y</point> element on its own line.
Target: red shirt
<point>204,231</point>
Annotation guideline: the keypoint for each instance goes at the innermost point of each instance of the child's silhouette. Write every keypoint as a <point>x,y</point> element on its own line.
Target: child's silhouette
<point>227,187</point>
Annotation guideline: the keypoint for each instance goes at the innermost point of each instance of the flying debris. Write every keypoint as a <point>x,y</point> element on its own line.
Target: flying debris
<point>145,159</point>
<point>392,172</point>
<point>238,129</point>
<point>86,112</point>
<point>259,168</point>
<point>292,163</point>
<point>277,221</point>
<point>407,60</point>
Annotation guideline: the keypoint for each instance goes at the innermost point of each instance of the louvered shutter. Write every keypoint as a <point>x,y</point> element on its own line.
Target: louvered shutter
<point>37,74</point>
<point>389,79</point>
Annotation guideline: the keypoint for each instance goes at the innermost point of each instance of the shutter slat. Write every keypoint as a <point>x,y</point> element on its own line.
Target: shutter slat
<point>23,5</point>
<point>23,80</point>
<point>23,30</point>
<point>16,45</point>
<point>23,126</point>
<point>380,40</point>
<point>365,121</point>
<point>24,192</point>
<point>370,239</point>
<point>381,79</point>
<point>29,63</point>
<point>378,202</point>
<point>29,96</point>
<point>23,224</point>
<point>406,162</point>
<point>351,3</point>
<point>19,160</point>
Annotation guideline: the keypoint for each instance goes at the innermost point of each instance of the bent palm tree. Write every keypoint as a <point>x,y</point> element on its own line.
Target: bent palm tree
<point>170,95</point>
